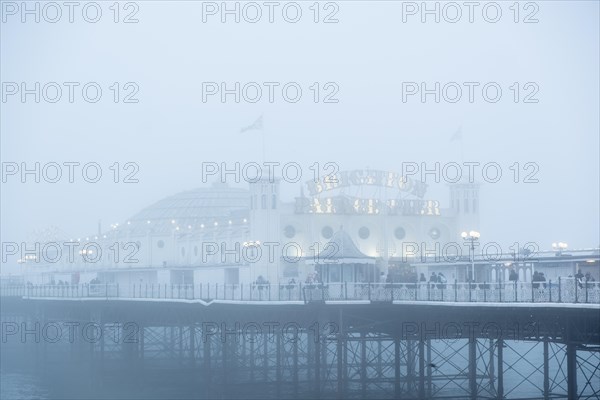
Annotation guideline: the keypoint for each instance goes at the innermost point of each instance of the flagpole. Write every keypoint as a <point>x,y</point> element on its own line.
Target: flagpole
<point>459,136</point>
<point>263,145</point>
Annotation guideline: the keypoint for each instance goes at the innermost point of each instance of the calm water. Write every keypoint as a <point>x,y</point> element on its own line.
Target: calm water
<point>21,385</point>
<point>65,376</point>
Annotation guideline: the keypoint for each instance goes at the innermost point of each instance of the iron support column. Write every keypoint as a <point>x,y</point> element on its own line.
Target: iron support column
<point>572,371</point>
<point>546,371</point>
<point>500,348</point>
<point>421,369</point>
<point>473,367</point>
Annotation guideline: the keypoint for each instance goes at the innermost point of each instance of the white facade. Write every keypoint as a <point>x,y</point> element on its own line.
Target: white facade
<point>234,235</point>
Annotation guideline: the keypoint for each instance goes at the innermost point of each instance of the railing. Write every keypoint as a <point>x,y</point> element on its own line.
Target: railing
<point>565,290</point>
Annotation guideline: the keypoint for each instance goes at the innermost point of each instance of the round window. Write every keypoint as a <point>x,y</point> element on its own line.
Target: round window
<point>160,244</point>
<point>327,232</point>
<point>364,232</point>
<point>289,231</point>
<point>399,233</point>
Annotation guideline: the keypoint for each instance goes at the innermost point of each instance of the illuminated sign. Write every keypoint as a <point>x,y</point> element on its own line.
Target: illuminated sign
<point>359,177</point>
<point>355,205</point>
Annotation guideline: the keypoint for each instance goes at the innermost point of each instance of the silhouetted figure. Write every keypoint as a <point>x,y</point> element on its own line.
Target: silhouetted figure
<point>433,278</point>
<point>442,278</point>
<point>543,279</point>
<point>261,282</point>
<point>535,279</point>
<point>316,278</point>
<point>382,277</point>
<point>579,278</point>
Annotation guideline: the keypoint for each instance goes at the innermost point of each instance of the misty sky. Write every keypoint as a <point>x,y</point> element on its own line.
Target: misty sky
<point>368,54</point>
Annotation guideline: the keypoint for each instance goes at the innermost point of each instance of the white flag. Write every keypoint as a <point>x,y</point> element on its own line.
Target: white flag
<point>258,125</point>
<point>457,135</point>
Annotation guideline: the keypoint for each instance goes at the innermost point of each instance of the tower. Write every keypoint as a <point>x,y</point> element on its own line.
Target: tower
<point>464,200</point>
<point>265,226</point>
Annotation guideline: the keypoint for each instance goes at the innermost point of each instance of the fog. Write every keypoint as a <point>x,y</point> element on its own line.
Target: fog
<point>368,53</point>
<point>108,109</point>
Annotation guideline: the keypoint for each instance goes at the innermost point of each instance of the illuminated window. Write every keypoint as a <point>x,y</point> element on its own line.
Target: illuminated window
<point>434,233</point>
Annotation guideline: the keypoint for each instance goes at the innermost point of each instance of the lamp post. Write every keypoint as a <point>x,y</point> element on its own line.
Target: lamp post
<point>559,247</point>
<point>470,238</point>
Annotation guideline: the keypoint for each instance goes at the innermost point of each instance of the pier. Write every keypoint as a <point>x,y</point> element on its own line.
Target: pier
<point>345,340</point>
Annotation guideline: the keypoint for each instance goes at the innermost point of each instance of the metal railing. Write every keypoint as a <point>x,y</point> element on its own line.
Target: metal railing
<point>565,290</point>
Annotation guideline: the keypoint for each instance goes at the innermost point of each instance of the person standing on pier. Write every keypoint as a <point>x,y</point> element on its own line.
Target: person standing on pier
<point>433,278</point>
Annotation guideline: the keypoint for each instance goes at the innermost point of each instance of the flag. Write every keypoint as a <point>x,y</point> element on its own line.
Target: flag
<point>258,125</point>
<point>457,135</point>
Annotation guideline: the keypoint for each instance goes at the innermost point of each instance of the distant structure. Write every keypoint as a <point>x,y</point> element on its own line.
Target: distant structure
<point>349,227</point>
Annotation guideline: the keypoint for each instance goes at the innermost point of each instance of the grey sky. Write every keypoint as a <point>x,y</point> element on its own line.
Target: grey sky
<point>369,53</point>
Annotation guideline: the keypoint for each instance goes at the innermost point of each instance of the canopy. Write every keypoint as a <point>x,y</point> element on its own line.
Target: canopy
<point>341,250</point>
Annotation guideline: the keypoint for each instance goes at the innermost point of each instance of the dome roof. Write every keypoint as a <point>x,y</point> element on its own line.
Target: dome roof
<point>192,208</point>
